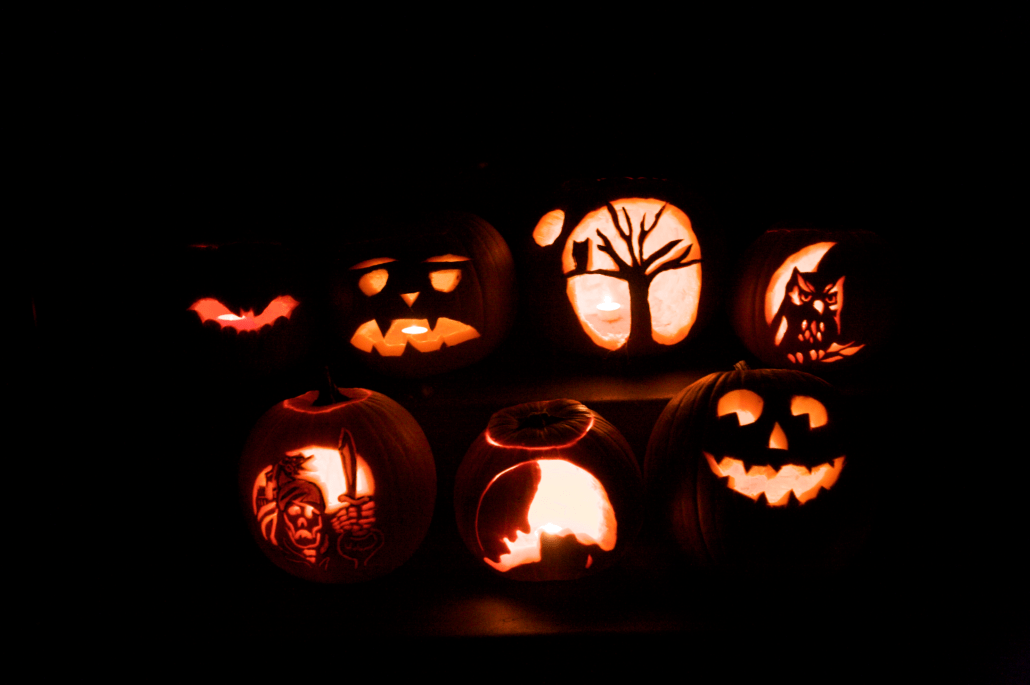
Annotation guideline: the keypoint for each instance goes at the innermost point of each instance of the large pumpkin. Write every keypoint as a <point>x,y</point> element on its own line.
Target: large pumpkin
<point>341,492</point>
<point>243,308</point>
<point>549,491</point>
<point>622,266</point>
<point>750,469</point>
<point>813,300</point>
<point>424,296</point>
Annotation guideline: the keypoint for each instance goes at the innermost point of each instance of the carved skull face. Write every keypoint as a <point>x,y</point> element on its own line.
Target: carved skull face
<point>774,446</point>
<point>302,515</point>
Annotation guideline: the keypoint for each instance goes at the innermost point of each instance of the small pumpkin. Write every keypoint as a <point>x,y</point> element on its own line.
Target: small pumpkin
<point>341,492</point>
<point>549,491</point>
<point>623,266</point>
<point>423,296</point>
<point>749,468</point>
<point>813,300</point>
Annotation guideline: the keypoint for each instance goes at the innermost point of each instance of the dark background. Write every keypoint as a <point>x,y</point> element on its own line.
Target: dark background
<point>938,585</point>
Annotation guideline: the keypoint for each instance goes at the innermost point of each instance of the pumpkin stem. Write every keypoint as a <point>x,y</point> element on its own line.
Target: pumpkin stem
<point>538,419</point>
<point>741,366</point>
<point>331,397</point>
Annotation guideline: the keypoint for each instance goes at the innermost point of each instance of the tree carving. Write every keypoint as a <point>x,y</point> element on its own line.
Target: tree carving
<point>638,271</point>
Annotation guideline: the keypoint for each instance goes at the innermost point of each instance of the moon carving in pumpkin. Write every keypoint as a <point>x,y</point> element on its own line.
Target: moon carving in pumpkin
<point>803,306</point>
<point>740,408</point>
<point>318,502</point>
<point>442,274</point>
<point>210,309</point>
<point>543,506</point>
<point>633,271</point>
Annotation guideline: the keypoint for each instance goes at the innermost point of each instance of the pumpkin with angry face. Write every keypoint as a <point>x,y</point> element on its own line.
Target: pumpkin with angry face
<point>621,267</point>
<point>425,297</point>
<point>750,469</point>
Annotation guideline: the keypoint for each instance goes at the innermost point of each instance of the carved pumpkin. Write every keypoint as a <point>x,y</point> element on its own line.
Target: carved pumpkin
<point>813,300</point>
<point>621,268</point>
<point>549,491</point>
<point>750,469</point>
<point>426,297</point>
<point>244,307</point>
<point>338,493</point>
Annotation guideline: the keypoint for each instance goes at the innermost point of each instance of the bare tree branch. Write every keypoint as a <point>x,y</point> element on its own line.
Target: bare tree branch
<point>610,251</point>
<point>663,251</point>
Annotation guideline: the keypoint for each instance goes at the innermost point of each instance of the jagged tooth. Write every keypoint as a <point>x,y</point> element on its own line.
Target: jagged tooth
<point>432,322</point>
<point>384,323</point>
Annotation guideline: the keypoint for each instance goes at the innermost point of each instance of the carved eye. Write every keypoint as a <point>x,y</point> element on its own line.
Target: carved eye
<point>831,298</point>
<point>446,280</point>
<point>373,282</point>
<point>802,404</point>
<point>747,405</point>
<point>805,297</point>
<point>294,510</point>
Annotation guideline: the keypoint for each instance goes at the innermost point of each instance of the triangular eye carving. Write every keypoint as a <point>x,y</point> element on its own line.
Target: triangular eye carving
<point>746,404</point>
<point>802,404</point>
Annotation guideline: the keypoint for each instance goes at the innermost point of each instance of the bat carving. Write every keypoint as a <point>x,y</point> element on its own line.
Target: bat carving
<point>210,309</point>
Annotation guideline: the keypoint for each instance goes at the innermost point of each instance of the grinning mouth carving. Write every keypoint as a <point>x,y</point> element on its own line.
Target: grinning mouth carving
<point>415,332</point>
<point>775,484</point>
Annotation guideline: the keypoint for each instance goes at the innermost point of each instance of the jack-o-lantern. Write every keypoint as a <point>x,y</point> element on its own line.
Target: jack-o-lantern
<point>813,300</point>
<point>341,492</point>
<point>751,470</point>
<point>620,268</point>
<point>426,296</point>
<point>549,491</point>
<point>244,307</point>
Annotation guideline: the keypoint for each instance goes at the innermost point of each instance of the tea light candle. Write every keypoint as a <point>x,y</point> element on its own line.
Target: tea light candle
<point>608,310</point>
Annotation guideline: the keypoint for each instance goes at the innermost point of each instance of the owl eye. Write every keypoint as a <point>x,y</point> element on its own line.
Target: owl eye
<point>805,297</point>
<point>445,280</point>
<point>802,404</point>
<point>747,405</point>
<point>373,282</point>
<point>831,298</point>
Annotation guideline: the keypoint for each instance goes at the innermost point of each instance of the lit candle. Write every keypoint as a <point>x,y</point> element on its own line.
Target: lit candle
<point>608,310</point>
<point>414,330</point>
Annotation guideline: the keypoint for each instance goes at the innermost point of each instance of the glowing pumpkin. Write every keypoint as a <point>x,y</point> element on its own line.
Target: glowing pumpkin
<point>340,492</point>
<point>813,300</point>
<point>426,297</point>
<point>630,267</point>
<point>750,469</point>
<point>549,491</point>
<point>244,308</point>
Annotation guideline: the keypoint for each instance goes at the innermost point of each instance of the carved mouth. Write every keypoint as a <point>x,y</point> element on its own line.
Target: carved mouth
<point>776,484</point>
<point>415,332</point>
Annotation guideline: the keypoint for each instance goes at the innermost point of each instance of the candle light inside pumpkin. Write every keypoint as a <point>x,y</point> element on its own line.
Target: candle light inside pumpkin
<point>608,310</point>
<point>414,330</point>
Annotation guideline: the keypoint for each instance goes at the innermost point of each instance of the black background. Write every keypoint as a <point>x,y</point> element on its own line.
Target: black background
<point>938,586</point>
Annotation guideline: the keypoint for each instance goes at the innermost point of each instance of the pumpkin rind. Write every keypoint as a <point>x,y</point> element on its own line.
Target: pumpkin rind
<point>573,434</point>
<point>391,447</point>
<point>718,526</point>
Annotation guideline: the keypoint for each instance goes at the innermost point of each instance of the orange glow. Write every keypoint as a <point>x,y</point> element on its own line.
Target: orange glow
<point>447,332</point>
<point>305,403</point>
<point>326,466</point>
<point>777,439</point>
<point>776,485</point>
<point>570,443</point>
<point>673,292</point>
<point>549,227</point>
<point>447,258</point>
<point>806,260</point>
<point>568,501</point>
<point>409,298</point>
<point>373,262</point>
<point>802,404</point>
<point>374,281</point>
<point>210,309</point>
<point>745,403</point>
<point>445,280</point>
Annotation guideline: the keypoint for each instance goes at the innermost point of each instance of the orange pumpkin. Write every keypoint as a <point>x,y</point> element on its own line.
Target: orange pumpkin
<point>340,492</point>
<point>549,491</point>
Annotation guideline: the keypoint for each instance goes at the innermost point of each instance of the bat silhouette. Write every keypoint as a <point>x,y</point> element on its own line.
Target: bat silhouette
<point>210,309</point>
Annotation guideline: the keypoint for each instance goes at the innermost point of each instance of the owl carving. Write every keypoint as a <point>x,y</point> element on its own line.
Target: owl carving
<point>807,323</point>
